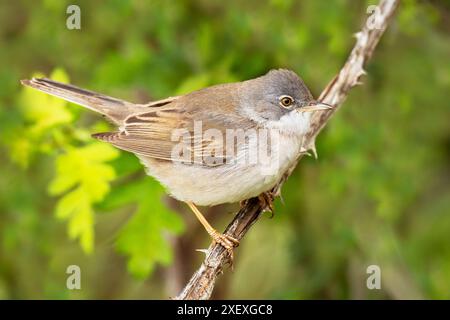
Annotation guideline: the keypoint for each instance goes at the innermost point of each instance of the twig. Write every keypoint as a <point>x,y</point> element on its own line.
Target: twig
<point>203,280</point>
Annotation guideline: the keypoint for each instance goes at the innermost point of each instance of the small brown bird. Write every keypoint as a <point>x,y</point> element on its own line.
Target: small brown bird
<point>221,144</point>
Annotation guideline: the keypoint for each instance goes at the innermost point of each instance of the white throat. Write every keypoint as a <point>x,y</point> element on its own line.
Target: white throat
<point>292,124</point>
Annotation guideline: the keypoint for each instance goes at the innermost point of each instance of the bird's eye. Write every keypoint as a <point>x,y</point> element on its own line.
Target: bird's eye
<point>286,101</point>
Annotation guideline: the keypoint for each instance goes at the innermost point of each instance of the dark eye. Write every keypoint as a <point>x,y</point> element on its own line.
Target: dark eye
<point>286,101</point>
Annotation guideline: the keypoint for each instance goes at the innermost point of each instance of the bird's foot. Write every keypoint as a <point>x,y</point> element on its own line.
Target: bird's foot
<point>243,203</point>
<point>226,241</point>
<point>266,200</point>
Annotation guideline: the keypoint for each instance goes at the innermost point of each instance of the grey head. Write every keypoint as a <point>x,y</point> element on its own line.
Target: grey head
<point>275,94</point>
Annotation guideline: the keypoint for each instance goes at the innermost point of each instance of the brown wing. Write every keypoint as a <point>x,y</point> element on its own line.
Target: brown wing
<point>190,129</point>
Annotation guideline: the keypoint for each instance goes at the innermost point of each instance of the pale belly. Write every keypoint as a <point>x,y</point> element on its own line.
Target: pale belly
<point>207,186</point>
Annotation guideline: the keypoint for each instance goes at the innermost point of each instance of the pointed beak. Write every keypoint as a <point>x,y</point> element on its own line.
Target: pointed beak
<point>316,106</point>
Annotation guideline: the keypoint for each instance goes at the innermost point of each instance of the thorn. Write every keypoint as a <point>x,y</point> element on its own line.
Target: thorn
<point>281,198</point>
<point>314,151</point>
<point>303,150</point>
<point>357,83</point>
<point>205,251</point>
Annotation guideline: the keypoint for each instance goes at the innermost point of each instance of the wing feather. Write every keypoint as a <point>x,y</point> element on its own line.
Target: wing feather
<point>160,127</point>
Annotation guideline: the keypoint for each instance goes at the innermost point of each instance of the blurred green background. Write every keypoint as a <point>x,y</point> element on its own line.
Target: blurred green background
<point>379,194</point>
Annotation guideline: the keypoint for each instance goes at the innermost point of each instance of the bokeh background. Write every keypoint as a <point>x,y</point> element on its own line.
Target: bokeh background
<point>379,194</point>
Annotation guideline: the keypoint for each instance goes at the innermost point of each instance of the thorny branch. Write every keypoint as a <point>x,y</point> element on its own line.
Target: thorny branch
<point>203,280</point>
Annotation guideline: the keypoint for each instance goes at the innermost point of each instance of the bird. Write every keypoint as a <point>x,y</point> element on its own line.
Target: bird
<point>221,144</point>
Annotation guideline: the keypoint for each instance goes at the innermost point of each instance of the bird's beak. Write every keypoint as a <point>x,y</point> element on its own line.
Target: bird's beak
<point>315,106</point>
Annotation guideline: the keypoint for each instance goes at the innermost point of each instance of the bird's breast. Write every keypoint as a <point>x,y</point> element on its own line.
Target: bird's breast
<point>259,164</point>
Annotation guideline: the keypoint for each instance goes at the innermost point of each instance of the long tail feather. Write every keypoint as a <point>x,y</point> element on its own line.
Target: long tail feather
<point>116,110</point>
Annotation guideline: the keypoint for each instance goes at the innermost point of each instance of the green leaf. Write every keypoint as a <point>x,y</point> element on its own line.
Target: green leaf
<point>143,239</point>
<point>42,110</point>
<point>84,176</point>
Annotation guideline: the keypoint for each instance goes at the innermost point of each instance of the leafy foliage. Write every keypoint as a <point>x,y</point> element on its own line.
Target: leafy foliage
<point>86,175</point>
<point>143,239</point>
<point>82,179</point>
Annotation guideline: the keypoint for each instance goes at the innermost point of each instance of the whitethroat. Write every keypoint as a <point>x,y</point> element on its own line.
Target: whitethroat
<point>221,144</point>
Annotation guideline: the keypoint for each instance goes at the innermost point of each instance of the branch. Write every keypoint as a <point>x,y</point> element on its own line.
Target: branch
<point>203,280</point>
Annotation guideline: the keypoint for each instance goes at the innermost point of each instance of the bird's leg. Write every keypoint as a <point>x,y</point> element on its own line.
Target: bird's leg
<point>225,240</point>
<point>266,200</point>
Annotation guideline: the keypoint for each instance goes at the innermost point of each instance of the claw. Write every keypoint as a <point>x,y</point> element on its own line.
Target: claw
<point>243,203</point>
<point>228,242</point>
<point>225,240</point>
<point>266,200</point>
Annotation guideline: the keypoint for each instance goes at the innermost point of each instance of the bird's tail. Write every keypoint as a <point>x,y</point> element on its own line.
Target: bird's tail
<point>114,109</point>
